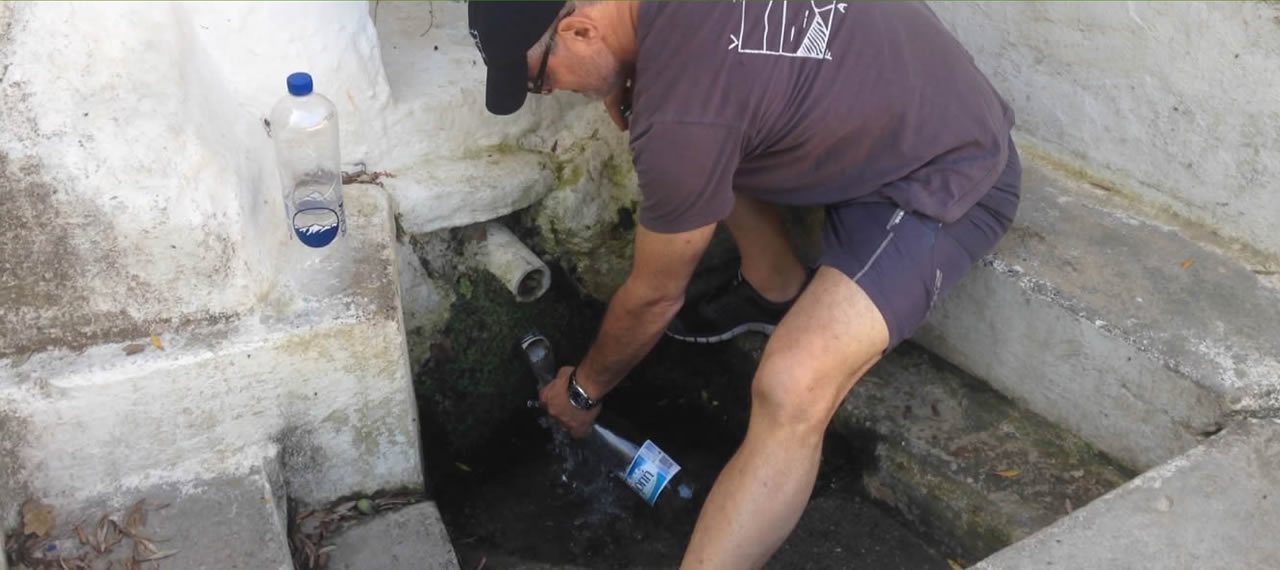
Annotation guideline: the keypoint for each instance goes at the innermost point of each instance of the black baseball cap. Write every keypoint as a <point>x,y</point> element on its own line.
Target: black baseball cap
<point>504,31</point>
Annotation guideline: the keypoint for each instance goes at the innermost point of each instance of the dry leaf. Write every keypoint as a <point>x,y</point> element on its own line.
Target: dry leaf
<point>156,342</point>
<point>159,555</point>
<point>37,518</point>
<point>84,539</point>
<point>1009,473</point>
<point>137,518</point>
<point>954,565</point>
<point>393,501</point>
<point>101,543</point>
<point>134,348</point>
<point>1187,264</point>
<point>1067,504</point>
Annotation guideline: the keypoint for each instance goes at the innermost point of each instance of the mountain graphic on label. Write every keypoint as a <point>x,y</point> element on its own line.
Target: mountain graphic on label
<point>322,229</point>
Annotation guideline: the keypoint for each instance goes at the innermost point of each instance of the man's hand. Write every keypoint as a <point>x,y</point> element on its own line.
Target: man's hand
<point>555,396</point>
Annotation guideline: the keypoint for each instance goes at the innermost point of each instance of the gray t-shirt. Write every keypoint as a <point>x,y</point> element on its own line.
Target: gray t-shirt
<point>808,103</point>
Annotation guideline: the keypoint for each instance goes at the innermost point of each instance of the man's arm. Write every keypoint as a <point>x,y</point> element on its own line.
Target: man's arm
<point>643,306</point>
<point>637,314</point>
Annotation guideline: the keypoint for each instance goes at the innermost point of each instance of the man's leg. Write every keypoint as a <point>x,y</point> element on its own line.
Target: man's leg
<point>828,340</point>
<point>772,276</point>
<point>768,262</point>
<point>882,271</point>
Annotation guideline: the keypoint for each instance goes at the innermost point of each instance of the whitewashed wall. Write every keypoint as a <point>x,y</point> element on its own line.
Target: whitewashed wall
<point>1178,101</point>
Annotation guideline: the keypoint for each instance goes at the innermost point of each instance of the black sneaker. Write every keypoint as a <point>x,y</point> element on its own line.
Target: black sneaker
<point>732,309</point>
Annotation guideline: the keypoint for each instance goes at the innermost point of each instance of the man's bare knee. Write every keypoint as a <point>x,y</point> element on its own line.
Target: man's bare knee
<point>793,398</point>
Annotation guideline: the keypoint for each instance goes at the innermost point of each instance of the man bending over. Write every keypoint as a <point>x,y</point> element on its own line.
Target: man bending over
<point>872,110</point>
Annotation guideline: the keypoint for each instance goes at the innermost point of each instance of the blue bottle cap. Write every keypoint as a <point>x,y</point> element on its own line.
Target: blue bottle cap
<point>299,84</point>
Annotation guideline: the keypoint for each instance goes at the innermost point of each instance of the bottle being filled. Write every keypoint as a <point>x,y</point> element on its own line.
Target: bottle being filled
<point>304,128</point>
<point>645,468</point>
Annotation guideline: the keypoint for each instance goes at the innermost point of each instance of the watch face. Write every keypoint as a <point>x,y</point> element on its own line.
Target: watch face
<point>579,399</point>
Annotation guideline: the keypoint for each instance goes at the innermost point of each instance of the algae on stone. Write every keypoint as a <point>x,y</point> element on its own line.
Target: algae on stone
<point>588,220</point>
<point>476,379</point>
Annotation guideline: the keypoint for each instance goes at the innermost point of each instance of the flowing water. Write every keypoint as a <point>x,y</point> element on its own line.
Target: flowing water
<point>529,498</point>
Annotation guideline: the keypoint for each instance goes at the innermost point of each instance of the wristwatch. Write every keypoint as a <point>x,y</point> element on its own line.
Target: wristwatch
<point>577,396</point>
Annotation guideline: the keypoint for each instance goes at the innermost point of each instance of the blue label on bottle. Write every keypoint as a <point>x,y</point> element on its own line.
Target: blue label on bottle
<point>650,471</point>
<point>317,227</point>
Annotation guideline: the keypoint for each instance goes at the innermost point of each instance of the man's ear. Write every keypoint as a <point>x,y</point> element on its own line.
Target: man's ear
<point>579,27</point>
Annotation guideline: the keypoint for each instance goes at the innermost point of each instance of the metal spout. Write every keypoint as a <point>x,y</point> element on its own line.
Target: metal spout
<point>540,356</point>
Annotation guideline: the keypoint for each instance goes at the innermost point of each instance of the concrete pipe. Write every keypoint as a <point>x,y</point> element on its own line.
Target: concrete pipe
<point>503,255</point>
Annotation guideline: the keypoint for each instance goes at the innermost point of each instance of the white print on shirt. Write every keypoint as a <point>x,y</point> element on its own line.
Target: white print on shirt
<point>815,29</point>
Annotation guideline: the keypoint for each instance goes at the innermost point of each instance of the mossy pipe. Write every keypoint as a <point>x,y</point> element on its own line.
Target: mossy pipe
<point>519,269</point>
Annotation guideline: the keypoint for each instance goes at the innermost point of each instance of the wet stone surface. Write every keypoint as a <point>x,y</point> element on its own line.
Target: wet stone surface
<point>511,503</point>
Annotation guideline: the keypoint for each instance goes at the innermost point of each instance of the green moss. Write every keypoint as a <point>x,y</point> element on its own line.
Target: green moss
<point>568,174</point>
<point>476,378</point>
<point>957,514</point>
<point>506,147</point>
<point>617,171</point>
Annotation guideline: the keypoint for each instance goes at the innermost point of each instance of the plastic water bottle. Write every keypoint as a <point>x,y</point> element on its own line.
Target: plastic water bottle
<point>645,468</point>
<point>304,128</point>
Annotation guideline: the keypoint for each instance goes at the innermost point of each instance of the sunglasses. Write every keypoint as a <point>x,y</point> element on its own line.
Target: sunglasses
<point>535,86</point>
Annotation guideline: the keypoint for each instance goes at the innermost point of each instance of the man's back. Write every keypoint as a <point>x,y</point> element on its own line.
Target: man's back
<point>809,103</point>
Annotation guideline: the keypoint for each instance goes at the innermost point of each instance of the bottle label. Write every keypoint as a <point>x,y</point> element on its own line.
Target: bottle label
<point>650,471</point>
<point>318,227</point>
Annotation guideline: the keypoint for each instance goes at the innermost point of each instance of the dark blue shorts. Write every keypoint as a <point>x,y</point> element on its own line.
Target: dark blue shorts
<point>906,262</point>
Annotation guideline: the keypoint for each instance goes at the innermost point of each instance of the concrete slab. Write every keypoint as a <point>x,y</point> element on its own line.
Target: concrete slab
<point>322,372</point>
<point>236,520</point>
<point>1142,336</point>
<point>1212,508</point>
<point>962,462</point>
<point>412,538</point>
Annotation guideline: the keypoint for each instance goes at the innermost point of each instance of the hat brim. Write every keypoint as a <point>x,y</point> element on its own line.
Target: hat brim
<point>507,87</point>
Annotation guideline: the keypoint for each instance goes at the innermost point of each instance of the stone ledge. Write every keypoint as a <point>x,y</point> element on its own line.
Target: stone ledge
<point>1211,508</point>
<point>235,520</point>
<point>412,538</point>
<point>1093,318</point>
<point>326,378</point>
<point>962,462</point>
<point>445,193</point>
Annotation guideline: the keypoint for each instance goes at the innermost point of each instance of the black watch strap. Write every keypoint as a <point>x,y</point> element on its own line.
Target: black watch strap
<point>577,396</point>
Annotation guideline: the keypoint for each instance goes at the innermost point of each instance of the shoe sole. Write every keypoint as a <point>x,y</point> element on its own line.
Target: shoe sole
<point>764,328</point>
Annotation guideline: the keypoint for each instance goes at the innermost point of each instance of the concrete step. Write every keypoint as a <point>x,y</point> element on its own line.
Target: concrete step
<point>411,538</point>
<point>1139,333</point>
<point>324,376</point>
<point>1212,508</point>
<point>963,463</point>
<point>236,520</point>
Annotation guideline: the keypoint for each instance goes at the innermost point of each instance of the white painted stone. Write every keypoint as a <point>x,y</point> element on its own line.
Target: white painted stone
<point>454,163</point>
<point>326,379</point>
<point>1176,100</point>
<point>1213,507</point>
<point>1048,320</point>
<point>425,301</point>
